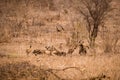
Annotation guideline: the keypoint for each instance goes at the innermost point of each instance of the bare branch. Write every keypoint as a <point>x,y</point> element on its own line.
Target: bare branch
<point>52,71</point>
<point>94,12</point>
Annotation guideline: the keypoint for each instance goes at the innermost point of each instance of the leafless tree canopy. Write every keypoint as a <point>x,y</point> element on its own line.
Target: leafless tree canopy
<point>94,12</point>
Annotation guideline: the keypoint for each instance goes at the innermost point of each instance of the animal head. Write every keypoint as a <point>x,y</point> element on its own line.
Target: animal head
<point>50,48</point>
<point>81,43</point>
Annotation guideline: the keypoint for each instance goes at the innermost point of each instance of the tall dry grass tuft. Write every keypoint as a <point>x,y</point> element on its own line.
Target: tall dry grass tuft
<point>23,70</point>
<point>77,34</point>
<point>110,40</point>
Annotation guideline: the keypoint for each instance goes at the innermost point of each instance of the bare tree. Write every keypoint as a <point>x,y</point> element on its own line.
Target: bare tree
<point>94,12</point>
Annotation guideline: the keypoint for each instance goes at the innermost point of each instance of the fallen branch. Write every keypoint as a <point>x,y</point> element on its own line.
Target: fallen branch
<point>51,71</point>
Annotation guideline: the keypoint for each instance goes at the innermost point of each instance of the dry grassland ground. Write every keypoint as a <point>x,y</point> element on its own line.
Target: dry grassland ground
<point>43,23</point>
<point>16,65</point>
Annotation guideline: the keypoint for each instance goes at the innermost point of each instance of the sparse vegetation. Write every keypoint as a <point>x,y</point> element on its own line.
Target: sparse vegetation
<point>94,12</point>
<point>22,70</point>
<point>60,32</point>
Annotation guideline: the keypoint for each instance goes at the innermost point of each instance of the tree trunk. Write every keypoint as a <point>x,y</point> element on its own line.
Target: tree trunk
<point>92,42</point>
<point>93,35</point>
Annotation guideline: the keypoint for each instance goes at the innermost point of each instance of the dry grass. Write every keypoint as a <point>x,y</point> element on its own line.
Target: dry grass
<point>45,67</point>
<point>23,24</point>
<point>75,67</point>
<point>22,71</point>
